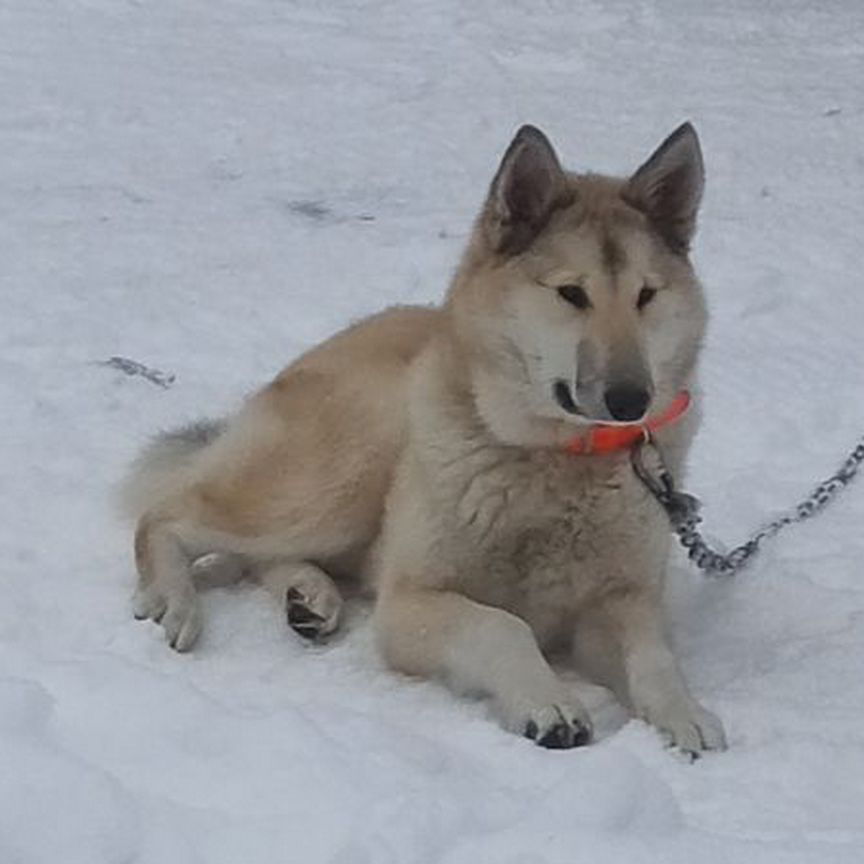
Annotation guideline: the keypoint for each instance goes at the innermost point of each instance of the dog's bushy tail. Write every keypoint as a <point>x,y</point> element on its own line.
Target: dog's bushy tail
<point>165,466</point>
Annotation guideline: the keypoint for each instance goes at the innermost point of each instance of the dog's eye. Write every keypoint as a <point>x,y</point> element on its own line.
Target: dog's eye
<point>646,295</point>
<point>575,295</point>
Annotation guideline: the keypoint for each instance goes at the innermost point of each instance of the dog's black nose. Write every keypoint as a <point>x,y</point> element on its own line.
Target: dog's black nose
<point>627,403</point>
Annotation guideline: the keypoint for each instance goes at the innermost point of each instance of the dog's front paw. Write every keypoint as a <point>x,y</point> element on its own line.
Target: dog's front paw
<point>685,724</point>
<point>559,726</point>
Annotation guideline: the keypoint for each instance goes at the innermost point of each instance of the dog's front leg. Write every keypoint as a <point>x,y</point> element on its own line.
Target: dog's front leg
<point>655,687</point>
<point>481,649</point>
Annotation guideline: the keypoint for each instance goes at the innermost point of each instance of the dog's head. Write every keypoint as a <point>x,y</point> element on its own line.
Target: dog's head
<point>576,298</point>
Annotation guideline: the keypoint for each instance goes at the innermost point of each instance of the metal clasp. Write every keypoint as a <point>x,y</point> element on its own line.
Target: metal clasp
<point>679,506</point>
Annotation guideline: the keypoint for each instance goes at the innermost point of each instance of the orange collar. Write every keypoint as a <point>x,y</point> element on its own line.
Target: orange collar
<point>602,439</point>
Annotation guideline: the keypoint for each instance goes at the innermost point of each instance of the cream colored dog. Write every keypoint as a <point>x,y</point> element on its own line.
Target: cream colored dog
<point>431,453</point>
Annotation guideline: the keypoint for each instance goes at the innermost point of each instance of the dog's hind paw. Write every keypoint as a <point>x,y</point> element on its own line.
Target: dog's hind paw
<point>177,611</point>
<point>312,617</point>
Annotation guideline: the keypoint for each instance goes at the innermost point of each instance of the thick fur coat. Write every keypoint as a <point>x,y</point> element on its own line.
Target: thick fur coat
<point>423,451</point>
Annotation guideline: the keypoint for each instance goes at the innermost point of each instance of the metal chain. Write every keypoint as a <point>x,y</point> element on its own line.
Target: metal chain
<point>683,509</point>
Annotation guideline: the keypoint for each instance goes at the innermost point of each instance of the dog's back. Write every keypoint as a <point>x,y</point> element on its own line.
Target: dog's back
<point>336,416</point>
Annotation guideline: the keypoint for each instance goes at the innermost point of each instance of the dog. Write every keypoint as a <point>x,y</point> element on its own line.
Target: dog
<point>451,458</point>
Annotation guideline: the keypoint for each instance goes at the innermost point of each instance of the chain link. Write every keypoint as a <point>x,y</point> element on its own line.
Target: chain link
<point>683,509</point>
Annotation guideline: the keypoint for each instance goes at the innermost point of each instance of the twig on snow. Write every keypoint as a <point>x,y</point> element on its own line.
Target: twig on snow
<point>133,368</point>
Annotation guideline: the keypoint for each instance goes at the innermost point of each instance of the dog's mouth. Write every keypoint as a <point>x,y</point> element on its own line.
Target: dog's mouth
<point>564,397</point>
<point>563,394</point>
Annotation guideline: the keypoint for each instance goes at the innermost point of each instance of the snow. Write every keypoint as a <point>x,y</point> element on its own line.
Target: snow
<point>211,186</point>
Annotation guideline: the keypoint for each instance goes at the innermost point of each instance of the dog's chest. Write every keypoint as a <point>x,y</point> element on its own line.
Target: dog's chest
<point>541,537</point>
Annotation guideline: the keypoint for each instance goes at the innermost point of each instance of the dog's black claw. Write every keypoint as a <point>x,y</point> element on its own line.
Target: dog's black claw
<point>531,730</point>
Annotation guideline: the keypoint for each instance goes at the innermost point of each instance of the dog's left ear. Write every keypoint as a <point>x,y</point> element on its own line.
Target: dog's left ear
<point>529,185</point>
<point>668,187</point>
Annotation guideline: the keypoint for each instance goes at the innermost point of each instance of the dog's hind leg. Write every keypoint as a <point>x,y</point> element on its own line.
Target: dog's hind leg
<point>171,568</point>
<point>310,598</point>
<point>166,591</point>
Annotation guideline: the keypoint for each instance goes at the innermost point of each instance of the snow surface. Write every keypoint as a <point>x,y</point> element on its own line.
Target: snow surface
<point>211,186</point>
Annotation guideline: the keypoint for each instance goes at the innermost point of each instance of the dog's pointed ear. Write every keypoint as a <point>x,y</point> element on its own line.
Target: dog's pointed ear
<point>529,185</point>
<point>668,187</point>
